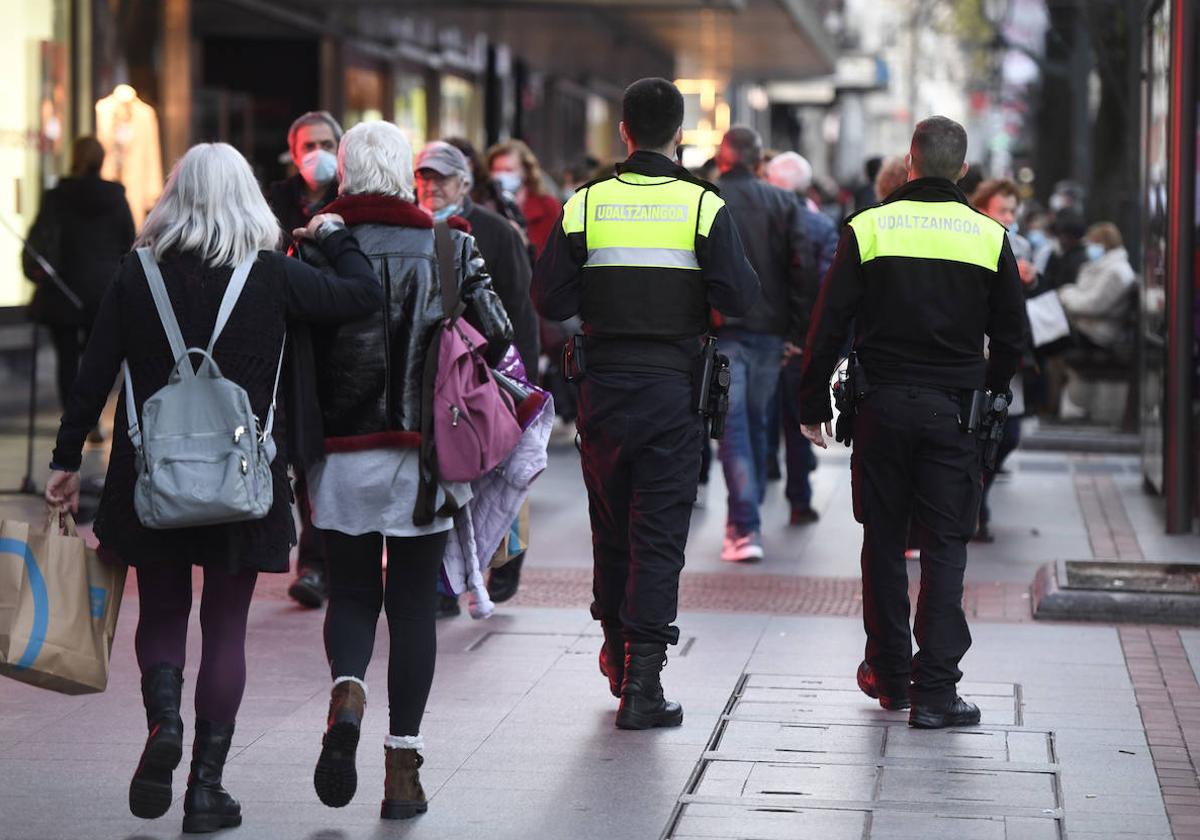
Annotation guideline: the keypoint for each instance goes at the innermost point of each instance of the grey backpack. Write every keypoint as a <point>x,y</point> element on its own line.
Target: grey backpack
<point>201,457</point>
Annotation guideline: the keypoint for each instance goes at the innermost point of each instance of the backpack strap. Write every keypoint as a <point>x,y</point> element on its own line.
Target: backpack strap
<point>270,424</point>
<point>237,282</point>
<point>452,305</point>
<point>162,302</point>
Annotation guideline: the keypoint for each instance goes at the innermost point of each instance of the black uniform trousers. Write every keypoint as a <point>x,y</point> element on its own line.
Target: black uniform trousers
<point>912,463</point>
<point>640,440</point>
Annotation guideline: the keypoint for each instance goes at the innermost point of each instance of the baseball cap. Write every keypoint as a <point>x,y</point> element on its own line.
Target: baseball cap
<point>444,159</point>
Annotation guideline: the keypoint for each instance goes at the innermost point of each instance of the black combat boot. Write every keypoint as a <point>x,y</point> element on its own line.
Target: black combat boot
<point>612,658</point>
<point>893,699</point>
<point>642,703</point>
<point>938,716</point>
<point>150,790</point>
<point>207,806</point>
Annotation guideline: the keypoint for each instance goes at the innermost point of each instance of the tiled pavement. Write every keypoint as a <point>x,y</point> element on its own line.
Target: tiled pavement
<point>1088,731</point>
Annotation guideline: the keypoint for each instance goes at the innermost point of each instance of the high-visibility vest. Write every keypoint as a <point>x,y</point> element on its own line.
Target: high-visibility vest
<point>642,277</point>
<point>933,230</point>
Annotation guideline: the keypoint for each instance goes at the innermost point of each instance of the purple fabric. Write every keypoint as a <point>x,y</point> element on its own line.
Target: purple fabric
<point>165,603</point>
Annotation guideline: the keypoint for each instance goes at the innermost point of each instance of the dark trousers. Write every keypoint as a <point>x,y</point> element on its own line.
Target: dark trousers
<point>911,462</point>
<point>357,592</point>
<point>310,552</point>
<point>640,439</point>
<point>801,460</point>
<point>69,341</point>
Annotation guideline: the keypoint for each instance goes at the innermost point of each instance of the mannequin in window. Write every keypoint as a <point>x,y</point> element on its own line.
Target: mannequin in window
<point>127,127</point>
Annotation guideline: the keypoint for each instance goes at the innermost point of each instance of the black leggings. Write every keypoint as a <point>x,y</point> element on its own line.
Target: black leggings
<point>357,592</point>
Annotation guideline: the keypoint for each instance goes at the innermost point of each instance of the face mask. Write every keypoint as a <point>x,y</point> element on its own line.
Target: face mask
<point>1058,202</point>
<point>1095,251</point>
<point>1014,229</point>
<point>446,212</point>
<point>318,168</point>
<point>1036,238</point>
<point>508,182</point>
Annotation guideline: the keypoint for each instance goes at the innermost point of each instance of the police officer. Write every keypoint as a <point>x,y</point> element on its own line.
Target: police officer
<point>641,256</point>
<point>923,276</point>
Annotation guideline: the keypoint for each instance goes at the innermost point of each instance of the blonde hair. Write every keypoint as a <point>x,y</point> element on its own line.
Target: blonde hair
<point>529,162</point>
<point>212,207</point>
<point>892,176</point>
<point>1106,234</point>
<point>375,157</point>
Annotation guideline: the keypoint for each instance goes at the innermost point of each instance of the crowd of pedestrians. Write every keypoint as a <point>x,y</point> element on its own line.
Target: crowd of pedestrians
<point>325,296</point>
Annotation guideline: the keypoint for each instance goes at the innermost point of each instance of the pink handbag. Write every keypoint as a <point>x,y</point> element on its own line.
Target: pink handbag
<point>468,424</point>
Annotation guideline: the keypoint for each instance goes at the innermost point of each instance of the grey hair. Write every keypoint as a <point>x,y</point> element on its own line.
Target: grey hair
<point>375,157</point>
<point>939,148</point>
<point>314,118</point>
<point>790,171</point>
<point>212,207</point>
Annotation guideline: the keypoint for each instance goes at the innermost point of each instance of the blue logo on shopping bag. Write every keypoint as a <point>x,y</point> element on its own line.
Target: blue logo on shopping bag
<point>41,601</point>
<point>99,596</point>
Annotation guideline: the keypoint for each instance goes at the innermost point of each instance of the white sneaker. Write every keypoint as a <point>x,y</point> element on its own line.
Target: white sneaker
<point>742,548</point>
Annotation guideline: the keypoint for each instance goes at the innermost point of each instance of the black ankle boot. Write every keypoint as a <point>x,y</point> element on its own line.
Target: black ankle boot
<point>642,703</point>
<point>207,806</point>
<point>612,658</point>
<point>150,790</point>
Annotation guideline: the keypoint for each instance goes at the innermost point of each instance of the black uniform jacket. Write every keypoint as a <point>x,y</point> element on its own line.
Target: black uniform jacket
<point>730,279</point>
<point>917,320</point>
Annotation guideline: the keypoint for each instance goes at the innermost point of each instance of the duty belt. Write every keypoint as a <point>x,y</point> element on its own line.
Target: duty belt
<point>642,354</point>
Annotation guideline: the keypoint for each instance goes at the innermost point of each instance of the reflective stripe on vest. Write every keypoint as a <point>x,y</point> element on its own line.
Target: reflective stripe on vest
<point>650,257</point>
<point>941,230</point>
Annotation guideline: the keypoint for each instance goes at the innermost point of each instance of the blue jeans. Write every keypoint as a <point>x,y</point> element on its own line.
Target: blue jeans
<point>801,460</point>
<point>754,362</point>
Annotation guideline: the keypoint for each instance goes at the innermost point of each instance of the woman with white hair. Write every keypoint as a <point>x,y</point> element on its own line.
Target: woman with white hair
<point>211,217</point>
<point>370,490</point>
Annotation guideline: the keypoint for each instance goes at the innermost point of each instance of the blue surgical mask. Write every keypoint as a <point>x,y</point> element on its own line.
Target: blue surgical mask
<point>1037,238</point>
<point>1095,251</point>
<point>318,168</point>
<point>1014,229</point>
<point>446,212</point>
<point>508,182</point>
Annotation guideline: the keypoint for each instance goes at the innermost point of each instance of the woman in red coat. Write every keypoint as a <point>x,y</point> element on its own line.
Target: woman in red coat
<point>516,171</point>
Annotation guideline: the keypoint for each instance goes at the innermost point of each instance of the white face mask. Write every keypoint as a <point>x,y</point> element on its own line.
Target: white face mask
<point>508,182</point>
<point>318,168</point>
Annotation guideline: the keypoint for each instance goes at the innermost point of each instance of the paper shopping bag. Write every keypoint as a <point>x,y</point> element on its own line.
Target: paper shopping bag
<point>58,607</point>
<point>515,542</point>
<point>1047,318</point>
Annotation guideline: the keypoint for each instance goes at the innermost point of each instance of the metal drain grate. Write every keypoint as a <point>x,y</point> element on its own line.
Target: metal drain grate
<point>808,757</point>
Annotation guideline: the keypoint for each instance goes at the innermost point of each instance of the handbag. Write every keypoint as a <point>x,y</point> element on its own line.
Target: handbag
<point>468,425</point>
<point>1047,318</point>
<point>58,607</point>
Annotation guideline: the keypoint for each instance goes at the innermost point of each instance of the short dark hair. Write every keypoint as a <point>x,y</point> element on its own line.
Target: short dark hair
<point>652,111</point>
<point>740,145</point>
<point>87,157</point>
<point>939,147</point>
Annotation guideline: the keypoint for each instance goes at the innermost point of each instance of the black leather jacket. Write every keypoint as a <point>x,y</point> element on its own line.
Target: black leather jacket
<point>369,372</point>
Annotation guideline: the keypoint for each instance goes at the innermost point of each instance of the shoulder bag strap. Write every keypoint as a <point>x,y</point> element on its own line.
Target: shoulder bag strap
<point>237,282</point>
<point>444,245</point>
<point>270,424</point>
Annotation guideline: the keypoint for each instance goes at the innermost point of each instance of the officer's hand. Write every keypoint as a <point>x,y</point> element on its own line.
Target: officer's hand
<point>790,351</point>
<point>813,433</point>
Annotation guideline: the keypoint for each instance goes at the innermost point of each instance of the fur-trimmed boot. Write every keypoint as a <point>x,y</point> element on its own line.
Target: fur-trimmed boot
<point>403,796</point>
<point>150,792</point>
<point>207,806</point>
<point>642,703</point>
<point>336,778</point>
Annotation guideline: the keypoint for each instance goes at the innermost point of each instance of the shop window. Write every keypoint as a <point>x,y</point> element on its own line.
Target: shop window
<point>461,109</point>
<point>411,107</point>
<point>364,96</point>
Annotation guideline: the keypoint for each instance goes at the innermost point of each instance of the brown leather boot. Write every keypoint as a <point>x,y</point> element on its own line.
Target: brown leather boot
<point>403,796</point>
<point>336,778</point>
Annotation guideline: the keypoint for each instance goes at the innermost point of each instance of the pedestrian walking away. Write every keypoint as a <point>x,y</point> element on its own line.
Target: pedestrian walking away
<point>771,224</point>
<point>366,493</point>
<point>924,277</point>
<point>641,256</point>
<point>210,218</point>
